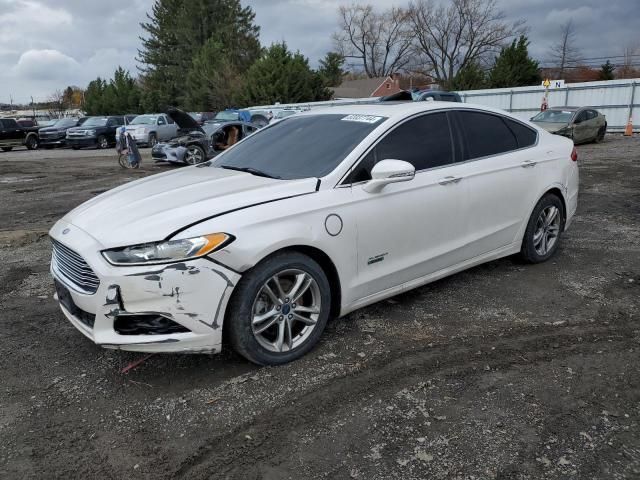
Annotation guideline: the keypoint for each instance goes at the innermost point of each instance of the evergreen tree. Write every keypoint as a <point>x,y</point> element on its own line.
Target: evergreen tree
<point>119,96</point>
<point>469,77</point>
<point>212,83</point>
<point>607,71</point>
<point>94,97</point>
<point>331,69</point>
<point>282,76</point>
<point>176,33</point>
<point>513,67</point>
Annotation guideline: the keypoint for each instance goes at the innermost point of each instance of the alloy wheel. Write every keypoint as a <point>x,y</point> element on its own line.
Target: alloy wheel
<point>194,156</point>
<point>547,230</point>
<point>286,310</point>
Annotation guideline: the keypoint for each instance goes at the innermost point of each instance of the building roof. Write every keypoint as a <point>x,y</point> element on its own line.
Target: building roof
<point>360,88</point>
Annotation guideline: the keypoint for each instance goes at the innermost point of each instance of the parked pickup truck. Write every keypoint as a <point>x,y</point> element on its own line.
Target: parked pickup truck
<point>98,132</point>
<point>12,134</point>
<point>152,128</point>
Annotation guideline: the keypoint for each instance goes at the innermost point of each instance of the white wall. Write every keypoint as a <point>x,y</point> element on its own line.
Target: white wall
<point>616,99</point>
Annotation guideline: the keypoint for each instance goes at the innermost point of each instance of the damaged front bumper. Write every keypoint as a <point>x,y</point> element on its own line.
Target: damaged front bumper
<point>177,307</point>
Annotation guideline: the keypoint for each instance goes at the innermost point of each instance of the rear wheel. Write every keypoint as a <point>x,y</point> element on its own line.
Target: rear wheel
<point>542,236</point>
<point>259,121</point>
<point>195,154</point>
<point>279,309</point>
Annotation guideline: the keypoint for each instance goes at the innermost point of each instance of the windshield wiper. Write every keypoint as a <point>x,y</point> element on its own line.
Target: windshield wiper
<point>252,171</point>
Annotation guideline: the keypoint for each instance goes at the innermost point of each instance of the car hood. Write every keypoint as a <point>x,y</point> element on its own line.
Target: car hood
<point>152,208</point>
<point>183,119</point>
<point>551,127</point>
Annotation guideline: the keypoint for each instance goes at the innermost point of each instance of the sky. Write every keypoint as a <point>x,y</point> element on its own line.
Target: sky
<point>46,45</point>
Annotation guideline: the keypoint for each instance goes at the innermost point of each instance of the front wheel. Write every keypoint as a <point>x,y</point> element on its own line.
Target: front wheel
<point>195,154</point>
<point>279,309</point>
<point>602,131</point>
<point>544,229</point>
<point>153,140</point>
<point>103,142</point>
<point>32,142</point>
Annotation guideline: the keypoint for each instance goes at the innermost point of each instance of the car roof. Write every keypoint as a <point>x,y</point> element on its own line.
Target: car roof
<point>393,110</point>
<point>570,109</point>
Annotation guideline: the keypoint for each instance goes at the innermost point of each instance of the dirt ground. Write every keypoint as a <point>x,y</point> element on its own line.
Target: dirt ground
<point>505,371</point>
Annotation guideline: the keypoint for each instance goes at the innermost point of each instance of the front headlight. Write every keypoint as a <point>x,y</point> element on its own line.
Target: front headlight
<point>167,251</point>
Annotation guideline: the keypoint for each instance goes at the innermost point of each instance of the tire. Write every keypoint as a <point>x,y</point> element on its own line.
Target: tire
<point>102,142</point>
<point>259,121</point>
<point>153,140</point>
<point>195,155</point>
<point>602,131</point>
<point>541,238</point>
<point>31,143</point>
<point>75,147</point>
<point>7,149</point>
<point>274,346</point>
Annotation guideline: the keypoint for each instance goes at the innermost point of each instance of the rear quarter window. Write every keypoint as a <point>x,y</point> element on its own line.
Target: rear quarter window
<point>525,136</point>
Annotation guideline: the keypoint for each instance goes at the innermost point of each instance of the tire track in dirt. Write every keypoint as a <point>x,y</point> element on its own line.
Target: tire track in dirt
<point>273,436</point>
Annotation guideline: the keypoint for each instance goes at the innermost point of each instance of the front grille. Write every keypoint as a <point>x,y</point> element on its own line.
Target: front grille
<point>74,269</point>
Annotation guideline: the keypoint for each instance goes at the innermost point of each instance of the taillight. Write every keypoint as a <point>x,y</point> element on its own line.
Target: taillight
<point>574,154</point>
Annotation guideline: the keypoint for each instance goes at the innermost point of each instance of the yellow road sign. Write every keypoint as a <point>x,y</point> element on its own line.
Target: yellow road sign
<point>546,83</point>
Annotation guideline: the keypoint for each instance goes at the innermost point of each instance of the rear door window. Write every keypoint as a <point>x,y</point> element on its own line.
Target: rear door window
<point>425,142</point>
<point>485,134</point>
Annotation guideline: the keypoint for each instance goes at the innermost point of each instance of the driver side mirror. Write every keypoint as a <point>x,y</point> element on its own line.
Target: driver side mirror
<point>389,171</point>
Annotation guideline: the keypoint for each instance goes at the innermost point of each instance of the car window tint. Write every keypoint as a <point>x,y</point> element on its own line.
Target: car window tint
<point>301,147</point>
<point>425,142</point>
<point>582,116</point>
<point>485,134</point>
<point>525,136</point>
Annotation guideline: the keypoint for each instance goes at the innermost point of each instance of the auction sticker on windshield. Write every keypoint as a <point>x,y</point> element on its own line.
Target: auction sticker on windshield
<point>362,118</point>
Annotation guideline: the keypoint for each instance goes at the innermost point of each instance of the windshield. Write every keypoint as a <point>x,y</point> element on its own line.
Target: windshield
<point>553,116</point>
<point>144,120</point>
<point>300,147</point>
<point>66,122</point>
<point>226,115</point>
<point>95,122</point>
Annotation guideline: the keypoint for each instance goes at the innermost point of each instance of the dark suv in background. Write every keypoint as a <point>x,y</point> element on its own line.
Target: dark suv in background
<point>12,134</point>
<point>98,132</point>
<point>56,134</point>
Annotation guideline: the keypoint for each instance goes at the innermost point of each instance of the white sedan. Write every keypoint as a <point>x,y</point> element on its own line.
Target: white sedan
<point>308,219</point>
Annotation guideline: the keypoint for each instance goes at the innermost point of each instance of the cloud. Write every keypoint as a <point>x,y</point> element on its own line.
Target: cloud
<point>46,45</point>
<point>46,65</point>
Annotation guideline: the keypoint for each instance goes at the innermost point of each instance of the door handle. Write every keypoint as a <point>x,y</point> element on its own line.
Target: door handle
<point>528,164</point>
<point>448,180</point>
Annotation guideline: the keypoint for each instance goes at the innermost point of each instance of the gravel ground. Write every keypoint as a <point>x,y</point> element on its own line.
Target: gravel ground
<point>505,371</point>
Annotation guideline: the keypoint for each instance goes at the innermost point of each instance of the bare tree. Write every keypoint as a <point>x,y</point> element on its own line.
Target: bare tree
<point>380,43</point>
<point>627,68</point>
<point>565,53</point>
<point>55,104</point>
<point>450,38</point>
